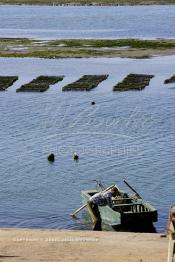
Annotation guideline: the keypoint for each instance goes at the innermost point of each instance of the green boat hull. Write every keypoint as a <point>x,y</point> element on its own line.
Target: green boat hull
<point>134,212</point>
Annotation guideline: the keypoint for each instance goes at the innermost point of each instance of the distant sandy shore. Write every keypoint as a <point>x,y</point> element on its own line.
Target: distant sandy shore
<point>63,245</point>
<point>84,48</point>
<point>88,2</point>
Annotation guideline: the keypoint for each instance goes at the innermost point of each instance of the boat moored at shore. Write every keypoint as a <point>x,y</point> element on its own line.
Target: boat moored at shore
<point>128,209</point>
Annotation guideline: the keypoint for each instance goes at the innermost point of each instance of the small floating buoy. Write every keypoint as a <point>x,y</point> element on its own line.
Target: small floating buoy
<point>92,103</point>
<point>51,157</point>
<point>75,156</point>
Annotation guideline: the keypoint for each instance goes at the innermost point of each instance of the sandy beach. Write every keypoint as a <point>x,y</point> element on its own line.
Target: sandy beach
<point>64,245</point>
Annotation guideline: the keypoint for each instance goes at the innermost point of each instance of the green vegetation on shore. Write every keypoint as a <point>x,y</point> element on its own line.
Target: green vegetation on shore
<point>98,43</point>
<point>88,2</point>
<point>79,48</point>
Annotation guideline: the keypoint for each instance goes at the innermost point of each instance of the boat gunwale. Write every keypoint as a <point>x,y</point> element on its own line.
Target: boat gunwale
<point>137,202</point>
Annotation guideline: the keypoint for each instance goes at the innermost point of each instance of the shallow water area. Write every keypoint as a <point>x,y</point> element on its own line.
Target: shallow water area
<point>125,135</point>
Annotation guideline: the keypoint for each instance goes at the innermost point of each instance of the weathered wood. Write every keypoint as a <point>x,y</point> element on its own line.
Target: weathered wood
<point>6,81</point>
<point>133,82</point>
<point>78,210</point>
<point>137,194</point>
<point>85,83</point>
<point>171,235</point>
<point>40,84</point>
<point>171,222</point>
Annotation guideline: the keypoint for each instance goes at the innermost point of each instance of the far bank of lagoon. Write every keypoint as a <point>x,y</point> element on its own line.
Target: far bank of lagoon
<point>88,2</point>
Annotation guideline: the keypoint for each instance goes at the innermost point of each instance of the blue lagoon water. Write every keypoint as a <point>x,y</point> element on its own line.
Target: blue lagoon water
<point>52,22</point>
<point>127,135</point>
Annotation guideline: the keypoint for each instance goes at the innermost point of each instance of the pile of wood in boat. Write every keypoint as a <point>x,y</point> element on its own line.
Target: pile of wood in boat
<point>40,84</point>
<point>85,83</point>
<point>6,81</point>
<point>170,80</point>
<point>133,82</point>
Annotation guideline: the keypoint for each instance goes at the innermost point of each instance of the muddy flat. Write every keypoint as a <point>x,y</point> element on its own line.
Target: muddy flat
<point>85,48</point>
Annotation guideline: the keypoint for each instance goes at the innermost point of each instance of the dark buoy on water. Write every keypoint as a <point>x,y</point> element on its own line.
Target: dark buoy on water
<point>92,103</point>
<point>75,157</point>
<point>51,157</point>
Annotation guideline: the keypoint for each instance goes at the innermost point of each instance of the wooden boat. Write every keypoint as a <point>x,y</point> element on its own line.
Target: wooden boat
<point>128,209</point>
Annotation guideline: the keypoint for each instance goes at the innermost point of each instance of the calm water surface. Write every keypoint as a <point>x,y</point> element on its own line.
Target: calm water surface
<point>46,22</point>
<point>125,135</point>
